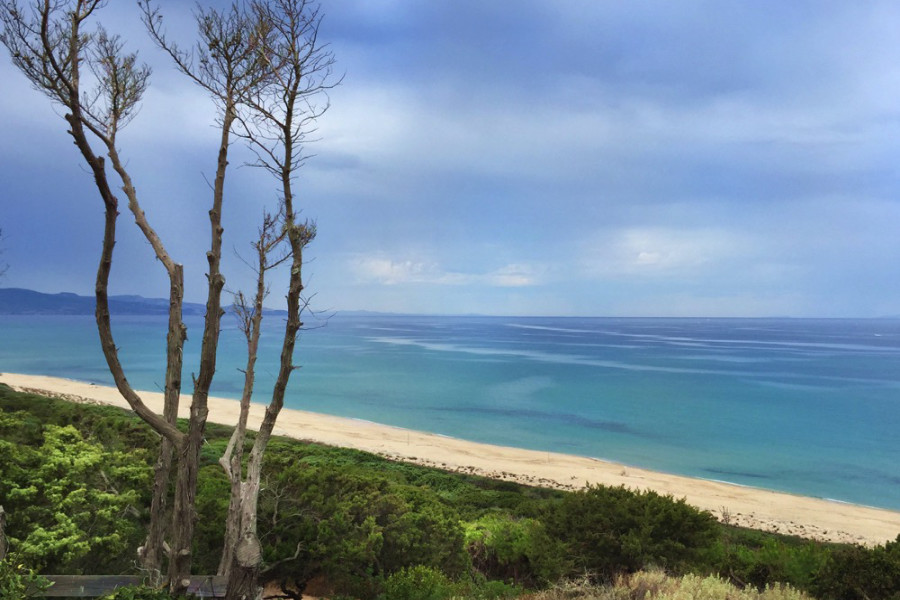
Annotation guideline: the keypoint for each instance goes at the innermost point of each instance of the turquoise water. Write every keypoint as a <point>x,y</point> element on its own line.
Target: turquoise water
<point>798,405</point>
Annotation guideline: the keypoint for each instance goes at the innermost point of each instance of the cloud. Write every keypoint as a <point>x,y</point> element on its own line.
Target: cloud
<point>571,157</point>
<point>390,272</point>
<point>660,252</point>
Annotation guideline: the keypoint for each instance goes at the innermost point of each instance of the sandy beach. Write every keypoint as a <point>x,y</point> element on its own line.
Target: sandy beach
<point>750,507</point>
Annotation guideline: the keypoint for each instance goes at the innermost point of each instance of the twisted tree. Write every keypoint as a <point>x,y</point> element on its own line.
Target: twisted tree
<point>280,114</point>
<point>49,45</point>
<point>262,64</point>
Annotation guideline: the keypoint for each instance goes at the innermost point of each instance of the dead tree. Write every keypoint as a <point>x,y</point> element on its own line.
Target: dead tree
<point>225,61</point>
<point>49,44</point>
<point>280,115</point>
<point>249,315</point>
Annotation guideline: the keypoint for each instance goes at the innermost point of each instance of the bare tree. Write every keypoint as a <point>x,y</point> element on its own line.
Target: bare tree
<point>262,64</point>
<point>238,548</point>
<point>281,114</point>
<point>224,61</point>
<point>49,44</point>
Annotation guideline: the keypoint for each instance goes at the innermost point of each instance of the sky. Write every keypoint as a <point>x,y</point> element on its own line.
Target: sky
<point>565,157</point>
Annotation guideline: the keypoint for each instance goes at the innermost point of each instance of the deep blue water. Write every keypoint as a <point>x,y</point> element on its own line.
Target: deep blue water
<point>798,405</point>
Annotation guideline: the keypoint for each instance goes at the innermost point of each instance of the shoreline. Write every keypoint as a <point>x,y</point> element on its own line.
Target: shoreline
<point>745,506</point>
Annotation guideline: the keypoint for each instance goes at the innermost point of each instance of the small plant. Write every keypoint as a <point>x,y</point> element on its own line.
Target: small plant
<point>725,515</point>
<point>518,550</point>
<point>656,585</point>
<point>18,582</point>
<point>418,583</point>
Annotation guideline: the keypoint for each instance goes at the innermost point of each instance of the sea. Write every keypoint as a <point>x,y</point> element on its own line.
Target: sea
<point>805,406</point>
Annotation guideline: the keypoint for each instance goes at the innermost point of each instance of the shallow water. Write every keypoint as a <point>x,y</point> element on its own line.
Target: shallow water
<point>798,405</point>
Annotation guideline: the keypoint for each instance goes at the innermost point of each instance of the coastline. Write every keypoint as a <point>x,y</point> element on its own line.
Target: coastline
<point>757,508</point>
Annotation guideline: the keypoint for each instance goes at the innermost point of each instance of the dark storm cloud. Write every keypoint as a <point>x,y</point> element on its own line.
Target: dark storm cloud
<point>539,157</point>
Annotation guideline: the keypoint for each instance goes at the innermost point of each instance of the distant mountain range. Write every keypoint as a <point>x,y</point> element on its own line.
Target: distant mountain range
<point>17,301</point>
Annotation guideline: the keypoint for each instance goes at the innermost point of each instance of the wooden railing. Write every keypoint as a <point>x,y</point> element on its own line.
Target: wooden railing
<point>92,586</point>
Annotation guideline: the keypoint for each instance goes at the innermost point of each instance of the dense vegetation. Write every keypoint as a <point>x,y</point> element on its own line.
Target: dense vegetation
<point>75,484</point>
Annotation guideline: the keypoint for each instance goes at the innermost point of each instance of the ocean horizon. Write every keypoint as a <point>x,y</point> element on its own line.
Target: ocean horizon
<point>804,406</point>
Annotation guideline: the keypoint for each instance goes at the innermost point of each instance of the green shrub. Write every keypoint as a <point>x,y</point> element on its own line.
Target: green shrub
<point>70,500</point>
<point>760,559</point>
<point>614,530</point>
<point>418,583</point>
<point>488,589</point>
<point>427,583</point>
<point>858,573</point>
<point>18,582</point>
<point>353,526</point>
<point>213,497</point>
<point>517,550</point>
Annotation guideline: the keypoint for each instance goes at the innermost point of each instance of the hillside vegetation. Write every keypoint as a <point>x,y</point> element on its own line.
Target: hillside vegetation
<point>75,482</point>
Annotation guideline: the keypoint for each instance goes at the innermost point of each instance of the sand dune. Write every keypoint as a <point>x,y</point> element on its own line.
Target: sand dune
<point>751,507</point>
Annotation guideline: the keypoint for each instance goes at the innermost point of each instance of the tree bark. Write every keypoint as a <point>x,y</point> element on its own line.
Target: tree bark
<point>242,583</point>
<point>299,69</point>
<point>151,555</point>
<point>243,576</point>
<point>232,459</point>
<point>184,513</point>
<point>4,544</point>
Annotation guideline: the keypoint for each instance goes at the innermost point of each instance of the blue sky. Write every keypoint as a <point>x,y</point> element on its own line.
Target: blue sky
<point>573,157</point>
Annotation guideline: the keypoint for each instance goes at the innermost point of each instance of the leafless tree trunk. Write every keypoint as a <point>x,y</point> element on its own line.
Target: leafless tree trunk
<point>250,321</point>
<point>273,66</point>
<point>4,544</point>
<point>224,62</point>
<point>242,552</point>
<point>281,113</point>
<point>49,46</point>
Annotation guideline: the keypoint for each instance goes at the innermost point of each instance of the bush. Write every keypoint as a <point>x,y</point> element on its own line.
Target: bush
<point>18,582</point>
<point>427,583</point>
<point>418,583</point>
<point>759,559</point>
<point>517,550</point>
<point>858,573</point>
<point>615,530</point>
<point>353,526</point>
<point>70,500</point>
<point>656,585</point>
